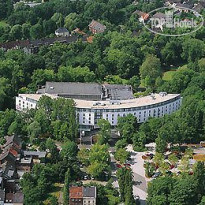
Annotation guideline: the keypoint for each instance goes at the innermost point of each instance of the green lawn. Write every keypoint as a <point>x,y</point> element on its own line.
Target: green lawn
<point>168,75</point>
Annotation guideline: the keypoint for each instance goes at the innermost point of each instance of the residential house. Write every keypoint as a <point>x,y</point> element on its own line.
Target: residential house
<point>14,198</point>
<point>24,165</point>
<point>89,195</point>
<point>2,196</point>
<point>36,156</point>
<point>10,150</point>
<point>76,195</point>
<point>32,46</point>
<point>182,7</point>
<point>82,195</point>
<point>62,32</point>
<point>142,15</point>
<point>96,27</point>
<point>78,31</point>
<point>198,8</point>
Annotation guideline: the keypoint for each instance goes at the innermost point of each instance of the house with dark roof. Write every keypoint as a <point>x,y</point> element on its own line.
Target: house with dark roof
<point>62,32</point>
<point>198,8</point>
<point>32,46</point>
<point>96,27</point>
<point>19,44</point>
<point>2,196</point>
<point>118,92</point>
<point>34,154</point>
<point>89,195</point>
<point>170,2</point>
<point>159,15</point>
<point>14,198</point>
<point>10,150</point>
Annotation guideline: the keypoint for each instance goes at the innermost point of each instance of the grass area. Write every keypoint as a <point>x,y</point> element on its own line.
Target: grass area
<point>57,191</point>
<point>3,24</point>
<point>167,76</point>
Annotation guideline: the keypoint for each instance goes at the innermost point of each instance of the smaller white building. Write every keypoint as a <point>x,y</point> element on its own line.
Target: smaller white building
<point>62,32</point>
<point>89,195</point>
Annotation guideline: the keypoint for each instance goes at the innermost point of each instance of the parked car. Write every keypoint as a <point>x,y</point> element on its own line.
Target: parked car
<point>172,166</point>
<point>149,155</point>
<point>127,164</point>
<point>118,166</point>
<point>157,174</point>
<point>144,157</point>
<point>169,173</point>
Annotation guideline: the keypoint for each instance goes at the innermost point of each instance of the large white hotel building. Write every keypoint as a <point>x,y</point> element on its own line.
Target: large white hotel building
<point>95,101</point>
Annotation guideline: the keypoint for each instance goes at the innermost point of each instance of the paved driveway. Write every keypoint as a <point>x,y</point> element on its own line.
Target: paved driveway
<point>140,182</point>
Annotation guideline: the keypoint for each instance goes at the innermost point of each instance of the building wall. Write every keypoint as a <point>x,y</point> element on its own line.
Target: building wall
<point>25,103</point>
<point>88,118</point>
<point>73,201</point>
<point>89,201</point>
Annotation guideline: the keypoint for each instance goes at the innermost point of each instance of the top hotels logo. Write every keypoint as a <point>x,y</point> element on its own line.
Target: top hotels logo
<point>173,21</point>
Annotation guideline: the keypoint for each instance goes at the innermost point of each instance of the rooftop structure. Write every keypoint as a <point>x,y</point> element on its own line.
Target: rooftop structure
<point>89,192</point>
<point>87,91</point>
<point>34,154</point>
<point>76,192</point>
<point>74,90</point>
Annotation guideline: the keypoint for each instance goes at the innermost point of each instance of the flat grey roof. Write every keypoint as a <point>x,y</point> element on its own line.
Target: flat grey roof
<point>89,192</point>
<point>34,153</point>
<point>71,88</point>
<point>119,92</point>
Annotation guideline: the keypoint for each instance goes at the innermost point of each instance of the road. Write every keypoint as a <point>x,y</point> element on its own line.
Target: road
<point>140,181</point>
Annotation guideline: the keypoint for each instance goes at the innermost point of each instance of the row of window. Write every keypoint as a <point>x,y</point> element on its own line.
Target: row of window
<point>25,105</point>
<point>145,114</point>
<point>149,111</point>
<point>84,202</point>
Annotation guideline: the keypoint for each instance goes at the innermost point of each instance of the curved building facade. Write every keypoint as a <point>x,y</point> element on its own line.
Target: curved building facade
<point>90,111</point>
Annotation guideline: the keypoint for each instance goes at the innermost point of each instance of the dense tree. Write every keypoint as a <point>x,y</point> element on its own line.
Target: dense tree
<point>105,131</point>
<point>79,74</point>
<point>121,155</point>
<point>4,91</point>
<point>127,127</point>
<point>66,187</point>
<point>125,185</point>
<point>161,144</point>
<point>183,192</point>
<point>150,70</point>
<point>199,176</point>
<point>201,64</point>
<point>193,49</point>
<point>69,151</point>
<point>83,156</point>
<point>99,159</point>
<point>159,190</point>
